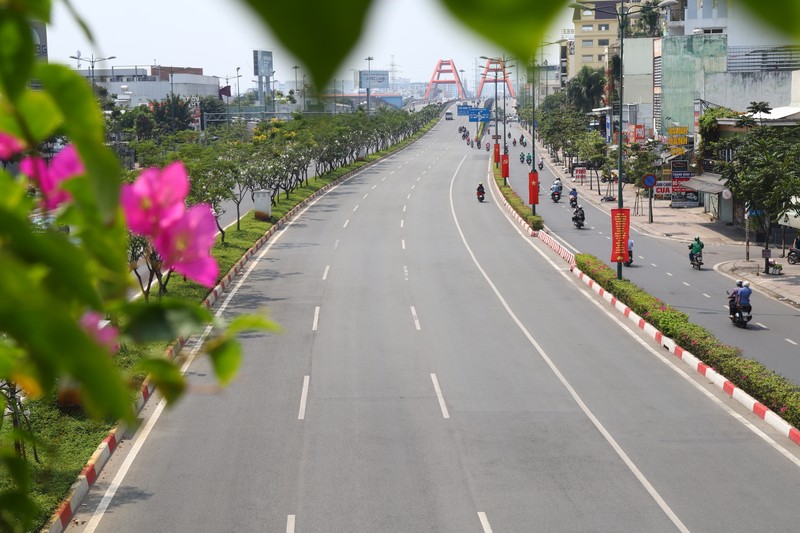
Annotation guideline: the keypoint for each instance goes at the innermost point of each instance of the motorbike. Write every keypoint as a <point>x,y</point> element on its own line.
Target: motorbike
<point>521,158</point>
<point>514,142</point>
<point>573,202</point>
<point>578,220</point>
<point>629,262</point>
<point>487,147</point>
<point>524,144</point>
<point>555,196</point>
<point>740,316</point>
<point>541,165</point>
<point>793,256</point>
<point>528,159</point>
<point>697,262</point>
<point>481,195</point>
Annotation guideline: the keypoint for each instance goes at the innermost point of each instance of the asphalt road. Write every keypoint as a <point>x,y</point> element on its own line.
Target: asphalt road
<point>439,371</point>
<point>662,267</point>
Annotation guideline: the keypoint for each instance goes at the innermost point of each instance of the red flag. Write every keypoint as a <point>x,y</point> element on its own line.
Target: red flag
<point>225,91</point>
<point>533,187</point>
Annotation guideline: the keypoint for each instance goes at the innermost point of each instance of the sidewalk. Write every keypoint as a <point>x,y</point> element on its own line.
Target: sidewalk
<point>683,224</point>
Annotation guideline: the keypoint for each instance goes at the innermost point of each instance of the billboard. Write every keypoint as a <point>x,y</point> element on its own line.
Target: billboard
<point>373,79</point>
<point>262,63</point>
<point>40,39</point>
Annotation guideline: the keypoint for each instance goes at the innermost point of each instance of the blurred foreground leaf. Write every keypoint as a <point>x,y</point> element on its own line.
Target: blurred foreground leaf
<point>165,320</point>
<point>165,376</point>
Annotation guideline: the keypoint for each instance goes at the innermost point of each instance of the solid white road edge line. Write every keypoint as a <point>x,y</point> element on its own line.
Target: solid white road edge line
<point>645,344</point>
<point>549,362</point>
<point>484,522</point>
<point>438,390</point>
<point>301,415</point>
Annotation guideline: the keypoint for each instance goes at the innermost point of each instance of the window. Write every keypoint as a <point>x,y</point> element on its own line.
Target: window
<point>602,42</point>
<point>587,27</point>
<point>587,42</point>
<point>587,58</point>
<point>601,58</point>
<point>602,27</point>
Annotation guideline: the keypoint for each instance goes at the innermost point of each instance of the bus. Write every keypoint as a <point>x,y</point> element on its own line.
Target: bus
<point>448,115</point>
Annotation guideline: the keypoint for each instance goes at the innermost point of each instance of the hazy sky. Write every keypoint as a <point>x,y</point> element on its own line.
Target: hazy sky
<point>220,35</point>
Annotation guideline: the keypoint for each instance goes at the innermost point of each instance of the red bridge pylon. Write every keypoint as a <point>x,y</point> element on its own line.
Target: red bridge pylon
<point>445,66</point>
<point>498,67</point>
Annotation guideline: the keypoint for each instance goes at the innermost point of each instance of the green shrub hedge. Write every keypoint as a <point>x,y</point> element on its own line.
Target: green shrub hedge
<point>763,384</point>
<point>522,209</point>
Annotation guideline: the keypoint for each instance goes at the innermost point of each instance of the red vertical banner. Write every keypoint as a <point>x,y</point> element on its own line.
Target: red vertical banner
<point>533,188</point>
<point>620,232</point>
<point>496,153</point>
<point>504,165</point>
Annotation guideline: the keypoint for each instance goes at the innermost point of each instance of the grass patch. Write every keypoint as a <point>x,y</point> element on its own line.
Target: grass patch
<point>524,210</point>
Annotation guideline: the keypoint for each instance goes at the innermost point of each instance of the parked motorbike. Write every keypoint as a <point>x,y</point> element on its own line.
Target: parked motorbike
<point>555,196</point>
<point>793,256</point>
<point>697,262</point>
<point>741,316</point>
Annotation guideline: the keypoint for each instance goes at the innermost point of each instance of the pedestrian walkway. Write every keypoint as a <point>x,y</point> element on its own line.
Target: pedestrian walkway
<point>683,224</point>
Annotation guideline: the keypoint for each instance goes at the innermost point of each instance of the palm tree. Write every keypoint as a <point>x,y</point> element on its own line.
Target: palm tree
<point>585,90</point>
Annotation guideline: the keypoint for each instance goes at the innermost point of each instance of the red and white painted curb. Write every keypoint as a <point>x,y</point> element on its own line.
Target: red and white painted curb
<point>89,474</point>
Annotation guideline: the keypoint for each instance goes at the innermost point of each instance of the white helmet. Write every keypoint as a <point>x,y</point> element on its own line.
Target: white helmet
<point>739,283</point>
<point>746,284</point>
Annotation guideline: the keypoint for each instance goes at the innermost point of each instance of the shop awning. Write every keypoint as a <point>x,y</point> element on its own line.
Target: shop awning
<point>705,183</point>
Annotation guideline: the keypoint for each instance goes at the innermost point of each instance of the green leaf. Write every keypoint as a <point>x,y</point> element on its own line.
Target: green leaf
<point>322,37</point>
<point>516,26</point>
<point>83,123</point>
<point>252,322</point>
<point>226,356</point>
<point>16,53</point>
<point>165,320</point>
<point>165,376</point>
<point>67,275</point>
<point>40,114</point>
<point>17,469</point>
<point>782,16</point>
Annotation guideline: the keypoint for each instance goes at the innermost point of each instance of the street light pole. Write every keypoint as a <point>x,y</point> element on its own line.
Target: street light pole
<point>238,96</point>
<point>369,60</point>
<point>91,62</point>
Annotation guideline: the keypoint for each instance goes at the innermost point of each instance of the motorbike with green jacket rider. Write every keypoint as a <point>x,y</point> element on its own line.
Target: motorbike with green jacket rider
<point>695,249</point>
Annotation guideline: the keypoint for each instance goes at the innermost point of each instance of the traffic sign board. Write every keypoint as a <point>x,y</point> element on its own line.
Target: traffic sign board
<point>649,180</point>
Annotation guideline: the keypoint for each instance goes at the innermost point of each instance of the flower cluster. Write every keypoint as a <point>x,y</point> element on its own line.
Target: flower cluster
<point>64,166</point>
<point>154,206</point>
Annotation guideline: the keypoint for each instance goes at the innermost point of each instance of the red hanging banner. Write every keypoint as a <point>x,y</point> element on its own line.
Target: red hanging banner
<point>620,232</point>
<point>504,165</point>
<point>496,153</point>
<point>533,188</point>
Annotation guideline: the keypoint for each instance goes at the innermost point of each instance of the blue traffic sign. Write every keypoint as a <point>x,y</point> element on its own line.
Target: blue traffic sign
<point>649,180</point>
<point>463,110</point>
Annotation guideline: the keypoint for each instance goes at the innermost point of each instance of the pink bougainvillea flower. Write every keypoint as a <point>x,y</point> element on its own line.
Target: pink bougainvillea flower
<point>66,165</point>
<point>9,146</point>
<point>156,199</point>
<point>185,245</point>
<point>105,336</point>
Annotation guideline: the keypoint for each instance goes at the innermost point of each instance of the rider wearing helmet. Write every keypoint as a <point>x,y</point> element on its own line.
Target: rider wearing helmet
<point>481,189</point>
<point>743,297</point>
<point>695,248</point>
<point>579,213</point>
<point>732,297</point>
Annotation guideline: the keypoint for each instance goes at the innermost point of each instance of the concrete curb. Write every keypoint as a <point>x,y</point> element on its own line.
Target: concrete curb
<point>88,475</point>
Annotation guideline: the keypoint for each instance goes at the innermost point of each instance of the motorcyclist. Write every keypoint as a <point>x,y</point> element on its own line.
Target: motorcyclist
<point>579,214</point>
<point>557,183</point>
<point>630,252</point>
<point>573,193</point>
<point>695,248</point>
<point>732,297</point>
<point>522,157</point>
<point>481,190</point>
<point>529,158</point>
<point>514,142</point>
<point>743,297</point>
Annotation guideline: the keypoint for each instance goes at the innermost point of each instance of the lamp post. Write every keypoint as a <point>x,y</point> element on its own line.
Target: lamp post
<point>92,60</point>
<point>622,14</point>
<point>295,82</point>
<point>238,96</point>
<point>272,89</point>
<point>369,60</point>
<point>461,80</point>
<point>496,130</point>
